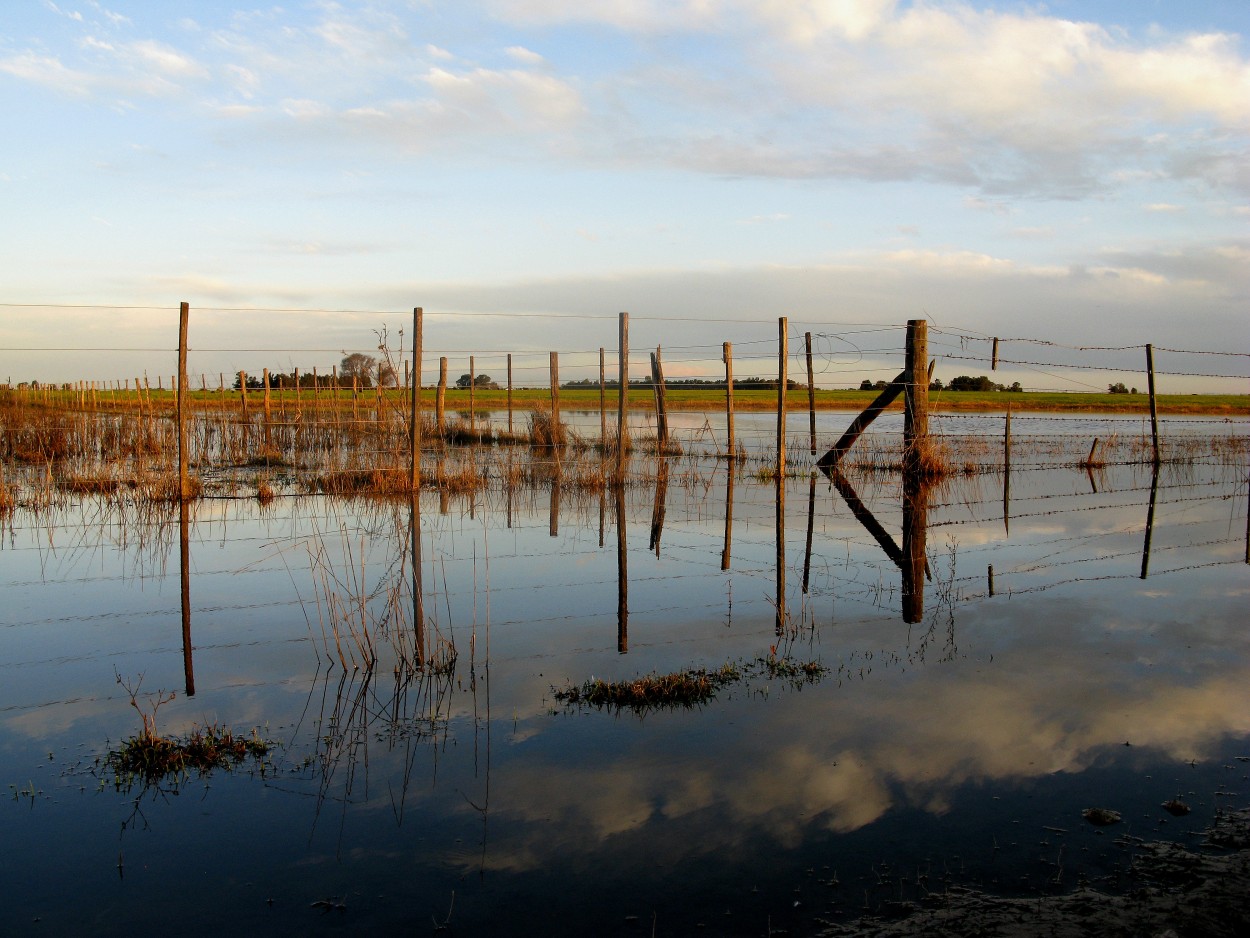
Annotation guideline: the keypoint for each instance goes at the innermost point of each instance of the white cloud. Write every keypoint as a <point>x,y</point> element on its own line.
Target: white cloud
<point>49,72</point>
<point>524,55</point>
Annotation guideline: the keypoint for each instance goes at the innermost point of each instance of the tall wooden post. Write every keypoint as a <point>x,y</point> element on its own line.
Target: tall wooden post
<point>622,402</point>
<point>727,356</point>
<point>509,393</point>
<point>472,396</point>
<point>414,418</point>
<point>661,402</point>
<point>811,390</point>
<point>557,435</point>
<point>1154,415</point>
<point>440,399</point>
<point>916,396</point>
<point>603,412</point>
<point>184,314</point>
<point>783,355</point>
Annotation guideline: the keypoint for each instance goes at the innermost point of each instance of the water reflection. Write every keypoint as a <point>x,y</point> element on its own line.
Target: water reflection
<point>395,763</point>
<point>911,558</point>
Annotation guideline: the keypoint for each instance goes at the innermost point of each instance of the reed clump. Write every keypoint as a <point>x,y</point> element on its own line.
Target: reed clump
<point>681,688</point>
<point>376,481</point>
<point>545,431</point>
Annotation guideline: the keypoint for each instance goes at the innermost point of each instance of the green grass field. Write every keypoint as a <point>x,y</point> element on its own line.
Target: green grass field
<point>692,399</point>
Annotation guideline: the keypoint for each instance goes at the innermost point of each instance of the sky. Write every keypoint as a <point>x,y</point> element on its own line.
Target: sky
<point>1073,172</point>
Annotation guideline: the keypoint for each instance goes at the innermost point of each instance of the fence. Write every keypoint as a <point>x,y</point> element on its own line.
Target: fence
<point>741,396</point>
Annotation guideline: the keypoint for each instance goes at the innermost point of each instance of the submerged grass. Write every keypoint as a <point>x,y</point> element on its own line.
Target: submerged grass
<point>689,688</point>
<point>150,757</point>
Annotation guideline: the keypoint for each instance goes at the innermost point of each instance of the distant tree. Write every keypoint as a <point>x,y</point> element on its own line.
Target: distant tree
<point>1015,388</point>
<point>253,382</point>
<point>1117,388</point>
<point>966,383</point>
<point>935,384</point>
<point>360,366</point>
<point>386,375</point>
<point>481,381</point>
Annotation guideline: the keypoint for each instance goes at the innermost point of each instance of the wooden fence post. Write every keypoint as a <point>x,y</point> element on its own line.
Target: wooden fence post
<point>440,398</point>
<point>661,403</point>
<point>727,356</point>
<point>414,417</point>
<point>622,402</point>
<point>783,354</point>
<point>811,390</point>
<point>184,312</point>
<point>509,393</point>
<point>916,396</point>
<point>603,413</point>
<point>472,397</point>
<point>1154,414</point>
<point>557,435</point>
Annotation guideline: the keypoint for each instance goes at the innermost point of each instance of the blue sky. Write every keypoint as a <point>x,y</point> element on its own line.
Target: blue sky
<point>1074,171</point>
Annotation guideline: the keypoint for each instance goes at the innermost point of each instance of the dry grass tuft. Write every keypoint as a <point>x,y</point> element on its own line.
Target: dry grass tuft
<point>545,431</point>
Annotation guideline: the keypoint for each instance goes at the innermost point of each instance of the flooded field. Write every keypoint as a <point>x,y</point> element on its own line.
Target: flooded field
<point>915,689</point>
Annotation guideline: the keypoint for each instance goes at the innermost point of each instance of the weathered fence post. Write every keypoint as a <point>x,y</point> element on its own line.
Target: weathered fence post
<point>440,398</point>
<point>994,356</point>
<point>414,418</point>
<point>916,396</point>
<point>661,403</point>
<point>243,392</point>
<point>557,435</point>
<point>603,412</point>
<point>783,354</point>
<point>811,392</point>
<point>727,356</point>
<point>184,313</point>
<point>622,403</point>
<point>1154,415</point>
<point>509,393</point>
<point>472,397</point>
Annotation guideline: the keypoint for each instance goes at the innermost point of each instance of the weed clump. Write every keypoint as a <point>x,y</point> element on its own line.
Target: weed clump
<point>681,688</point>
<point>151,758</point>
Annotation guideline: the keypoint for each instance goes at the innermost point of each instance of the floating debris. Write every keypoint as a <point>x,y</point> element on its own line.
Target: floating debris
<point>1176,807</point>
<point>1101,817</point>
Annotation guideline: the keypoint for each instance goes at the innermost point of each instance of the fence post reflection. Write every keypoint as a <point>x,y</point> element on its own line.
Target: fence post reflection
<point>729,514</point>
<point>781,548</point>
<point>1150,520</point>
<point>811,524</point>
<point>622,570</point>
<point>418,594</point>
<point>184,566</point>
<point>661,501</point>
<point>915,524</point>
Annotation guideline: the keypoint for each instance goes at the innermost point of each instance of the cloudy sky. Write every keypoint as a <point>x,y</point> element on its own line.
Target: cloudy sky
<point>1073,171</point>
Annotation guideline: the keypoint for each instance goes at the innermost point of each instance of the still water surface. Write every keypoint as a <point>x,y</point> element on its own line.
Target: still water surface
<point>1107,664</point>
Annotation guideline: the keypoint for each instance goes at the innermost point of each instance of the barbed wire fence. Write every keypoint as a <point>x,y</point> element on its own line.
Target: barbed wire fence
<point>286,397</point>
